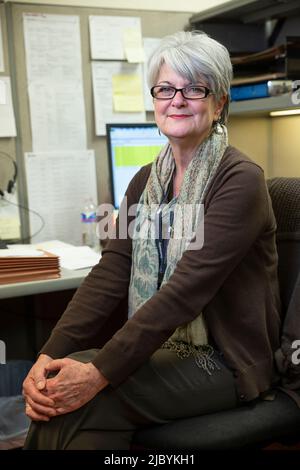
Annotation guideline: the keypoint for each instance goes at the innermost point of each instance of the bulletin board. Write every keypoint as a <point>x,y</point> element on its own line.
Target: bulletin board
<point>153,25</point>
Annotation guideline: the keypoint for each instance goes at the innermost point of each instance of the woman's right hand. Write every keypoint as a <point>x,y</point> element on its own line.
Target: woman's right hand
<point>38,406</point>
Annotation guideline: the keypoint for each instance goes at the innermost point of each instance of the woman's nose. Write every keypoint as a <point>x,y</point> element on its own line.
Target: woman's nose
<point>178,99</point>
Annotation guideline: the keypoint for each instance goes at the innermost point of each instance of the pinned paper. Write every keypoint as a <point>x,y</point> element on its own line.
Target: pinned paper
<point>59,208</point>
<point>2,92</point>
<point>55,84</point>
<point>9,217</point>
<point>7,117</point>
<point>103,73</point>
<point>1,55</point>
<point>9,228</point>
<point>127,93</point>
<point>107,35</point>
<point>133,46</point>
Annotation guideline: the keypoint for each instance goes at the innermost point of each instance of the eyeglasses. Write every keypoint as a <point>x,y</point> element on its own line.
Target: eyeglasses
<point>191,92</point>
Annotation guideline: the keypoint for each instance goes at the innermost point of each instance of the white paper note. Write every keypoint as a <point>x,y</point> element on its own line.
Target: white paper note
<point>57,185</point>
<point>7,117</point>
<point>55,87</point>
<point>75,257</point>
<point>70,256</point>
<point>150,44</point>
<point>3,92</point>
<point>79,257</point>
<point>107,35</point>
<point>1,50</point>
<point>103,94</point>
<point>52,46</point>
<point>57,116</point>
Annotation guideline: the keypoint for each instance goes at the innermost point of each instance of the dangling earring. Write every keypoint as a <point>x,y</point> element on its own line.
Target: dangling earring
<point>159,131</point>
<point>217,126</point>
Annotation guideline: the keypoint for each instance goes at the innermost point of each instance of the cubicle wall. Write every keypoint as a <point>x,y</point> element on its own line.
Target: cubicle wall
<point>153,24</point>
<point>272,143</point>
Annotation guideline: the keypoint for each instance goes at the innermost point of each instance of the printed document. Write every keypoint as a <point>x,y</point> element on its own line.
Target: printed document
<point>55,85</point>
<point>57,185</point>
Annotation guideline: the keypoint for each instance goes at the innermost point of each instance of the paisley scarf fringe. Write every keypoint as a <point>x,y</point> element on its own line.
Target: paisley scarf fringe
<point>203,354</point>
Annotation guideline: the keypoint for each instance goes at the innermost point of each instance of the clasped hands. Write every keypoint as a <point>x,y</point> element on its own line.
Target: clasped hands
<point>74,384</point>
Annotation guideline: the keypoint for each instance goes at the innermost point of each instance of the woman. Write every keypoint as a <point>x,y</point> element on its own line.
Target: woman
<point>203,315</point>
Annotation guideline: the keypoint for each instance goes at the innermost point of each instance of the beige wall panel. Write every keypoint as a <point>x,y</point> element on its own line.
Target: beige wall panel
<point>251,136</point>
<point>286,146</point>
<point>258,137</point>
<point>153,24</point>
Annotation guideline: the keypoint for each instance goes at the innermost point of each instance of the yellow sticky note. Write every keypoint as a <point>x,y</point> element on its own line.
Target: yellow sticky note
<point>127,93</point>
<point>133,46</point>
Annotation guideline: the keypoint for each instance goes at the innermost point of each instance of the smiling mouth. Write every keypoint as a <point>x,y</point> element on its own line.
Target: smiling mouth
<point>179,116</point>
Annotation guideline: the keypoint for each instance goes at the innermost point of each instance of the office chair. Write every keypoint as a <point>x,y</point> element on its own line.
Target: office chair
<point>259,423</point>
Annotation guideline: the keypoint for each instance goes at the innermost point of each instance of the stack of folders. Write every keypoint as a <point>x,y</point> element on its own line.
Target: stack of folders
<point>27,265</point>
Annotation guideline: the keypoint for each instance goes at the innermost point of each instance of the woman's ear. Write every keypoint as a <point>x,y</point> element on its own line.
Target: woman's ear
<point>219,107</point>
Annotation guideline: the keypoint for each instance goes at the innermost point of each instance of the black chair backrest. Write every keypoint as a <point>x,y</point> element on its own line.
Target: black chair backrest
<point>285,196</point>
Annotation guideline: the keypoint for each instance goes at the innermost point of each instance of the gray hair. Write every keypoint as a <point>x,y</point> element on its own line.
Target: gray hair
<point>194,55</point>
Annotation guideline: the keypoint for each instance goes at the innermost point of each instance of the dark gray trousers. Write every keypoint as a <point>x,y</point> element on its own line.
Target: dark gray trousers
<point>165,388</point>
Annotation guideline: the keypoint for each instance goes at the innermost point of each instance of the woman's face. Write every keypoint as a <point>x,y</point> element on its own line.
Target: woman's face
<point>181,119</point>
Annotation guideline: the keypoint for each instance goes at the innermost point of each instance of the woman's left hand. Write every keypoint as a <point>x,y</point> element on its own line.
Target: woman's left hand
<point>75,384</point>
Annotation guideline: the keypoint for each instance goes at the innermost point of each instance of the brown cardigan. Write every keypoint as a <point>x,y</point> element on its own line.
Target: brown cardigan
<point>232,279</point>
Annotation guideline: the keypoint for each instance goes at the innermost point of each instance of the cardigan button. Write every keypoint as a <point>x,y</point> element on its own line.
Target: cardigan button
<point>235,374</point>
<point>242,397</point>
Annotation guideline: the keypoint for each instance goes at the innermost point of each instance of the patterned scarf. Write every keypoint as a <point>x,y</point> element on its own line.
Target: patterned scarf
<point>179,222</point>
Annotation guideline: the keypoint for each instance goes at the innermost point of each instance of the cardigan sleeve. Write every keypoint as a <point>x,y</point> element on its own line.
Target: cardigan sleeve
<point>234,219</point>
<point>102,291</point>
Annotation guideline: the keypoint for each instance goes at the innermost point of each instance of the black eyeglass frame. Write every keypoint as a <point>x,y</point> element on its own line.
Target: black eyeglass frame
<point>182,91</point>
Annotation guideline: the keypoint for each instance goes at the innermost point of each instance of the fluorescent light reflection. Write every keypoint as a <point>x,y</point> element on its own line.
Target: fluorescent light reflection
<point>285,112</point>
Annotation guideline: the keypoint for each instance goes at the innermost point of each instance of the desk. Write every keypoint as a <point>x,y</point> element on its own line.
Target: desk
<point>29,311</point>
<point>68,280</point>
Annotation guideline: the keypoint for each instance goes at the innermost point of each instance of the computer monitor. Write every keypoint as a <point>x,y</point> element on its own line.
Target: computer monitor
<point>130,146</point>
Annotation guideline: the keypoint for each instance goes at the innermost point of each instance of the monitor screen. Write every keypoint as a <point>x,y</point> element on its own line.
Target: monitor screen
<point>130,146</point>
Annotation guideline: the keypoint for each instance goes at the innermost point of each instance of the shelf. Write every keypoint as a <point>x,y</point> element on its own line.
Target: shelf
<point>248,11</point>
<point>261,106</point>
